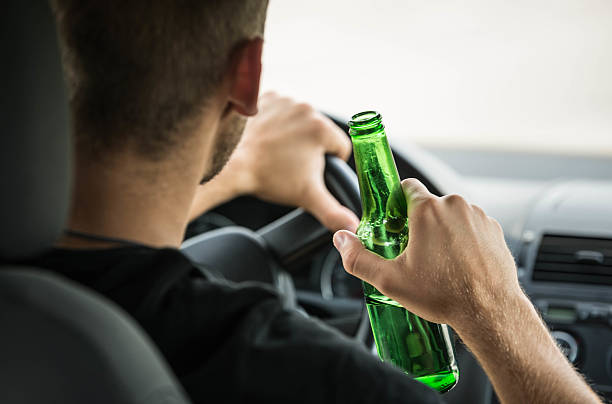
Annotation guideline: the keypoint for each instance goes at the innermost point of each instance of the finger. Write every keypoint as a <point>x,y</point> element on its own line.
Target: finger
<point>478,211</point>
<point>336,141</point>
<point>268,97</point>
<point>358,261</point>
<point>415,193</point>
<point>328,211</point>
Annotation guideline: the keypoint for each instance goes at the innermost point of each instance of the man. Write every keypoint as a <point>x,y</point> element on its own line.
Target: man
<point>157,90</point>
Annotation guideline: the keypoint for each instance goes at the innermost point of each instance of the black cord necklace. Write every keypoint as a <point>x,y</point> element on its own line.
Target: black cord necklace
<point>97,237</point>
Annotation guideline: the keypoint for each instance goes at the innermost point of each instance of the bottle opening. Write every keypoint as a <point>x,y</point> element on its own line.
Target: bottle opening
<point>365,118</point>
<point>364,123</point>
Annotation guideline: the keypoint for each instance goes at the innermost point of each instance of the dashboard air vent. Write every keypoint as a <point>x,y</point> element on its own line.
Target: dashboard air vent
<point>574,259</point>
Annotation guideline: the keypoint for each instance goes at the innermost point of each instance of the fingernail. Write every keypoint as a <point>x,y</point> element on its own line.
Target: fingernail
<point>339,241</point>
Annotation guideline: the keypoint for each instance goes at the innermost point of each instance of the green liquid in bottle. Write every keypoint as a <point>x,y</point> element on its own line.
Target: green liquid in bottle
<point>420,348</point>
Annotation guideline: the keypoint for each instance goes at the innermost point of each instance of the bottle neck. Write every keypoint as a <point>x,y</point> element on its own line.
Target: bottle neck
<point>382,198</point>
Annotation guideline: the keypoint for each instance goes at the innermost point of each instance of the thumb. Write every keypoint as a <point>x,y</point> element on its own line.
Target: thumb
<point>358,261</point>
<point>329,212</point>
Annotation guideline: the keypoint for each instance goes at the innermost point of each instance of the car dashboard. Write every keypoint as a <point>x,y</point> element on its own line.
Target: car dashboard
<point>560,233</point>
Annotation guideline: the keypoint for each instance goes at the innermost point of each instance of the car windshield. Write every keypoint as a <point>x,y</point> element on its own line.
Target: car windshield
<point>478,74</point>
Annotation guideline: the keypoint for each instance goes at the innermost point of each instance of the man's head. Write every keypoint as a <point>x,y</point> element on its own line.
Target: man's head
<point>144,75</point>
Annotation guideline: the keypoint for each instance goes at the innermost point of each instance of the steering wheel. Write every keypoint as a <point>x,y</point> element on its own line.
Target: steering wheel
<point>239,254</point>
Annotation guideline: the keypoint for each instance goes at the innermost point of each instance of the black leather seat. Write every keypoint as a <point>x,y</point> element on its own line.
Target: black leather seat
<point>62,344</point>
<point>59,343</point>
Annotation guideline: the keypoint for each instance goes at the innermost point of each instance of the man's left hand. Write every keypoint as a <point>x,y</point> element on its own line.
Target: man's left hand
<point>281,159</point>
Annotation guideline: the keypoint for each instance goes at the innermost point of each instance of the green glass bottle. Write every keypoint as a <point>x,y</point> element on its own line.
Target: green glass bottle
<point>420,348</point>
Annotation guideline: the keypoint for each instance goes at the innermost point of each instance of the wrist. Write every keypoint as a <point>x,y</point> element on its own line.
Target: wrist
<point>493,315</point>
<point>237,175</point>
<point>232,181</point>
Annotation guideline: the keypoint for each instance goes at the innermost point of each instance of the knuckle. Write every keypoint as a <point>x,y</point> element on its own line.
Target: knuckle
<point>319,131</point>
<point>455,200</point>
<point>303,108</point>
<point>270,94</point>
<point>410,183</point>
<point>287,102</point>
<point>318,124</point>
<point>496,224</point>
<point>478,210</point>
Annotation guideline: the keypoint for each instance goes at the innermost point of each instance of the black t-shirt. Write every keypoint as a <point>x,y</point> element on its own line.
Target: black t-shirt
<point>234,342</point>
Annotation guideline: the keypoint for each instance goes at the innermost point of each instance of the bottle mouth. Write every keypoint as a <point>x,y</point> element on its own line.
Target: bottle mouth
<point>364,123</point>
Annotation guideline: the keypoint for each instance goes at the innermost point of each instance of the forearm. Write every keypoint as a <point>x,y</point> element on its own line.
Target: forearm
<point>521,358</point>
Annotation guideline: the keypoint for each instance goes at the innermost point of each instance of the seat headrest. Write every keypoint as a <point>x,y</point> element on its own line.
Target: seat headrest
<point>34,146</point>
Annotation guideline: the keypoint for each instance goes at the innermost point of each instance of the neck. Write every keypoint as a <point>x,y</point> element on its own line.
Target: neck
<point>132,199</point>
<point>378,177</point>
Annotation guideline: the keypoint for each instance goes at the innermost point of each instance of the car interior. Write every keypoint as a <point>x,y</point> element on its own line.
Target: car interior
<point>62,343</point>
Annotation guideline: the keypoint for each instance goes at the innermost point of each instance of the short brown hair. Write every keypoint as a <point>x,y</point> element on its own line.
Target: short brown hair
<point>139,72</point>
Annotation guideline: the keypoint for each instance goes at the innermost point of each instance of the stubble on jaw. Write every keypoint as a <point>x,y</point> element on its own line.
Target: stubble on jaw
<point>226,141</point>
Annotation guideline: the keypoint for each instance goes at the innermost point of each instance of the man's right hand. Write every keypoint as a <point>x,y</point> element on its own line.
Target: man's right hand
<point>455,264</point>
<point>457,270</point>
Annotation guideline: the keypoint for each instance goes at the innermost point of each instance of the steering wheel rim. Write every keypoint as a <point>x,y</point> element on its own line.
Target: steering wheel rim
<point>298,233</point>
<point>281,235</point>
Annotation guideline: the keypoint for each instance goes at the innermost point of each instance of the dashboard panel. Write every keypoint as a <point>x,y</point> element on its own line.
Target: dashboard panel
<point>560,233</point>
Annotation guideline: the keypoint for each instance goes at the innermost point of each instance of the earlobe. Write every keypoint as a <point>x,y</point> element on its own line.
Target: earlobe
<point>246,73</point>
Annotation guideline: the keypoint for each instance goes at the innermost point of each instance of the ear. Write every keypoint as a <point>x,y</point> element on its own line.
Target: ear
<point>246,73</point>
